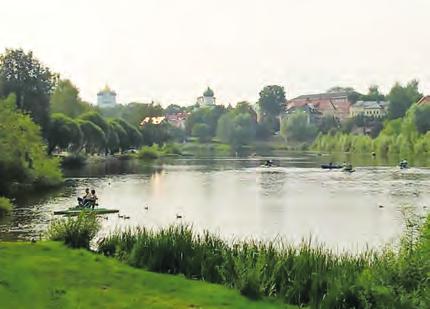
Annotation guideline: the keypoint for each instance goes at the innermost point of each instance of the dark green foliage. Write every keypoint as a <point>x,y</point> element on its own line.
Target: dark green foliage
<point>401,98</point>
<point>297,127</point>
<point>75,232</point>
<point>64,132</point>
<point>422,118</point>
<point>328,123</point>
<point>373,94</point>
<point>205,115</point>
<point>148,153</point>
<point>271,100</point>
<point>31,82</point>
<point>174,109</point>
<point>202,132</point>
<point>134,113</point>
<point>23,159</point>
<point>97,119</point>
<point>155,134</point>
<point>94,139</point>
<point>236,128</point>
<point>134,137</point>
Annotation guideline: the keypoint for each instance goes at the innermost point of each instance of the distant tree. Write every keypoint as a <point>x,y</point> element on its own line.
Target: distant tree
<point>202,132</point>
<point>30,81</point>
<point>245,108</point>
<point>155,134</point>
<point>206,115</point>
<point>353,96</point>
<point>134,135</point>
<point>237,128</point>
<point>271,100</point>
<point>401,98</point>
<point>123,138</point>
<point>94,139</point>
<point>297,128</point>
<point>134,112</point>
<point>64,133</point>
<point>373,94</point>
<point>328,122</point>
<point>66,100</point>
<point>422,118</point>
<point>173,109</point>
<point>176,134</point>
<point>97,119</point>
<point>112,139</point>
<point>340,89</point>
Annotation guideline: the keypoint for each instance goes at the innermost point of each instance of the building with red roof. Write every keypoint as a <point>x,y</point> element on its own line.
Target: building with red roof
<point>336,104</point>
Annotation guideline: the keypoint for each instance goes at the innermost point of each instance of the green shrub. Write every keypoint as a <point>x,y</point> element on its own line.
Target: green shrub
<point>171,149</point>
<point>148,153</point>
<point>75,232</point>
<point>5,206</point>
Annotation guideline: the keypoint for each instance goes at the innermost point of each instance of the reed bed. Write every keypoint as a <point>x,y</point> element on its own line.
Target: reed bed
<point>304,275</point>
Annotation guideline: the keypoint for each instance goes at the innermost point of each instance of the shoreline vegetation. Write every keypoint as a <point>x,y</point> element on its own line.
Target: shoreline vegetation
<point>303,275</point>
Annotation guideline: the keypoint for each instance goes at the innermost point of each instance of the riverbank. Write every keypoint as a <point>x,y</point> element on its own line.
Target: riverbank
<point>47,274</point>
<point>304,275</point>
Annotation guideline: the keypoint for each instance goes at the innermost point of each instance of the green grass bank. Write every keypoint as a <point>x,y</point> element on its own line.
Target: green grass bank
<point>49,275</point>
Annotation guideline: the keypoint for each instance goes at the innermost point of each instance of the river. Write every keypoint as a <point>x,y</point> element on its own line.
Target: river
<point>237,198</point>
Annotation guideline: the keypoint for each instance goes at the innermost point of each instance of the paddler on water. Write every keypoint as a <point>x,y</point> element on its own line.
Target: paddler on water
<point>269,163</point>
<point>403,164</point>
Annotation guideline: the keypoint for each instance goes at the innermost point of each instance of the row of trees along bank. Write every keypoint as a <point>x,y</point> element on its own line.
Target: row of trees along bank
<point>405,137</point>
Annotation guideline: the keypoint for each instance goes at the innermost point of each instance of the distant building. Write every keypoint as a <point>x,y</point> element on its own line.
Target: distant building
<point>152,120</point>
<point>106,97</point>
<point>207,99</point>
<point>312,113</point>
<point>373,109</point>
<point>425,100</point>
<point>336,104</point>
<point>177,120</point>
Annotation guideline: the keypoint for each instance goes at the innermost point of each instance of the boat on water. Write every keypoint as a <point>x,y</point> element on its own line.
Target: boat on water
<point>331,166</point>
<point>74,211</point>
<point>347,170</point>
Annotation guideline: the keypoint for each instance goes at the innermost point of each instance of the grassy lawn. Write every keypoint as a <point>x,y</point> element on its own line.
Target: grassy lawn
<point>49,275</point>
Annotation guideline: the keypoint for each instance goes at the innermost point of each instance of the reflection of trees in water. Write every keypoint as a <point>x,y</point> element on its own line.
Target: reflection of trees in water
<point>271,182</point>
<point>113,167</point>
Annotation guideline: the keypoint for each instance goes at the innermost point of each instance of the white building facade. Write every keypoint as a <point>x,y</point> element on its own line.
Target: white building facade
<point>106,98</point>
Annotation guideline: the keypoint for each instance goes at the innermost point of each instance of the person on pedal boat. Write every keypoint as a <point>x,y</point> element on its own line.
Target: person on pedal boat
<point>93,199</point>
<point>82,200</point>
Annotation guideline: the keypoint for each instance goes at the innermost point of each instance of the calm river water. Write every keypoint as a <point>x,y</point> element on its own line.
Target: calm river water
<point>237,198</point>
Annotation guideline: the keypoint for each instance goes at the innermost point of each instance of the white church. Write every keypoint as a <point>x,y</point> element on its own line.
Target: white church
<point>208,98</point>
<point>106,98</point>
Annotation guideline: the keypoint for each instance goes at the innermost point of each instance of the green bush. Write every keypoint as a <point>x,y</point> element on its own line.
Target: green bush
<point>75,232</point>
<point>5,206</point>
<point>171,149</point>
<point>148,153</point>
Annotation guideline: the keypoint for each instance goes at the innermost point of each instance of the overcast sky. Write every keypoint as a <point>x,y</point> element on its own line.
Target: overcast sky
<point>170,50</point>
